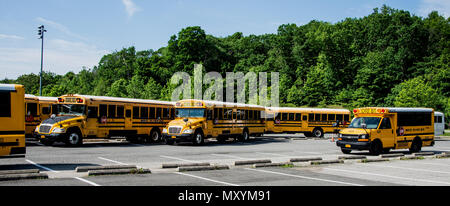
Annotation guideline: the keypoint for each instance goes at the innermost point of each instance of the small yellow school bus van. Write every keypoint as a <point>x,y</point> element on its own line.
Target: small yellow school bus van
<point>313,122</point>
<point>83,116</point>
<point>196,120</point>
<point>12,119</point>
<point>379,129</point>
<point>37,109</point>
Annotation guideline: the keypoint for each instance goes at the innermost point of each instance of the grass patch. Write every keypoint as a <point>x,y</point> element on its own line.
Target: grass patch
<point>412,158</point>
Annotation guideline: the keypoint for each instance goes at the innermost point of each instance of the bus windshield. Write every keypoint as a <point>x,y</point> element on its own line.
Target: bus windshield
<point>371,122</point>
<point>190,113</point>
<point>71,109</point>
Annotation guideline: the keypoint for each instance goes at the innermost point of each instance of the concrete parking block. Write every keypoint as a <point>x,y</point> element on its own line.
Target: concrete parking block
<point>392,155</point>
<point>305,159</point>
<point>423,154</point>
<point>118,171</point>
<point>320,162</point>
<point>202,168</point>
<point>278,164</point>
<point>351,157</point>
<point>176,165</point>
<point>107,167</point>
<point>8,177</point>
<point>27,171</point>
<point>251,162</point>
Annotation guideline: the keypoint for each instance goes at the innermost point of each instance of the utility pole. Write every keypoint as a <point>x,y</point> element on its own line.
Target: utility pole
<point>41,31</point>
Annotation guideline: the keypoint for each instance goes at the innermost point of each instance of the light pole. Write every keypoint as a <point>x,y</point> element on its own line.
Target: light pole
<point>41,31</point>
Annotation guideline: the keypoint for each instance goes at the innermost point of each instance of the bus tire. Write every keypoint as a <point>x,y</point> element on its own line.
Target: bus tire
<point>245,136</point>
<point>376,147</point>
<point>155,135</point>
<point>318,132</point>
<point>199,138</point>
<point>74,137</point>
<point>416,145</point>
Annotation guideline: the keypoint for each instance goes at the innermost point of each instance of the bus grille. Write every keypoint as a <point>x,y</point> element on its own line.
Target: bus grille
<point>44,128</point>
<point>174,130</point>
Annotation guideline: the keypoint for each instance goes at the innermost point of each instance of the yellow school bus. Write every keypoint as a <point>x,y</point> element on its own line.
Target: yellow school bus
<point>12,120</point>
<point>83,116</point>
<point>36,110</point>
<point>197,120</point>
<point>313,122</point>
<point>380,129</point>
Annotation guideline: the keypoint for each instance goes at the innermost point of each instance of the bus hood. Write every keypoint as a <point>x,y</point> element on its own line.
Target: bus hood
<point>61,119</point>
<point>182,123</point>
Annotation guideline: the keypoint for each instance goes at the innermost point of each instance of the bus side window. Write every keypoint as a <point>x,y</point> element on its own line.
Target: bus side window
<point>158,113</point>
<point>112,111</point>
<point>220,114</point>
<point>339,117</point>
<point>152,113</point>
<point>298,117</point>
<point>92,112</point>
<point>5,104</point>
<point>46,110</point>
<point>324,117</point>
<point>128,113</point>
<point>311,117</point>
<point>135,112</point>
<point>209,115</point>
<point>144,112</point>
<point>284,116</point>
<point>385,124</point>
<point>305,118</point>
<point>120,110</point>
<point>331,117</point>
<point>55,109</point>
<point>172,113</point>
<point>103,110</point>
<point>291,116</point>
<point>346,117</point>
<point>31,109</point>
<point>166,113</point>
<point>317,117</point>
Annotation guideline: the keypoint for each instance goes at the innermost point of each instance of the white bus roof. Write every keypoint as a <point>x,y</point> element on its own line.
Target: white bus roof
<point>8,87</point>
<point>307,109</point>
<point>229,104</point>
<point>439,113</point>
<point>120,99</point>
<point>408,109</point>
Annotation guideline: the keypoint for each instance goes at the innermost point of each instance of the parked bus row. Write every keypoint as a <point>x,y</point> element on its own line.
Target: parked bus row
<point>70,118</point>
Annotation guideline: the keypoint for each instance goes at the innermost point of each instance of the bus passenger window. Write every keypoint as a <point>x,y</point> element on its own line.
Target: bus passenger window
<point>346,117</point>
<point>135,112</point>
<point>120,111</point>
<point>112,111</point>
<point>158,113</point>
<point>31,109</point>
<point>316,117</point>
<point>103,110</point>
<point>339,117</point>
<point>305,118</point>
<point>209,114</point>
<point>220,114</point>
<point>291,116</point>
<point>46,110</point>
<point>284,116</point>
<point>152,113</point>
<point>5,104</point>
<point>331,117</point>
<point>324,117</point>
<point>298,117</point>
<point>144,112</point>
<point>92,112</point>
<point>165,113</point>
<point>128,113</point>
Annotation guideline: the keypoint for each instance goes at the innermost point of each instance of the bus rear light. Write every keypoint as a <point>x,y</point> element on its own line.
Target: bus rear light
<point>79,100</point>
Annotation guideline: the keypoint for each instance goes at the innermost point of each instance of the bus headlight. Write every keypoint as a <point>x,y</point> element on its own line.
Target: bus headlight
<point>58,130</point>
<point>164,130</point>
<point>364,136</point>
<point>188,131</point>
<point>37,129</point>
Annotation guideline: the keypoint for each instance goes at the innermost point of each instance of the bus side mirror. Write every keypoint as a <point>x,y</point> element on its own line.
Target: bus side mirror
<point>364,125</point>
<point>186,120</point>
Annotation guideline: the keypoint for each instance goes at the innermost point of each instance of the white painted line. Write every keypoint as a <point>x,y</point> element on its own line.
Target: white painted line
<point>176,158</point>
<point>231,156</point>
<point>40,166</point>
<point>120,163</point>
<point>273,154</point>
<point>304,177</point>
<point>436,164</point>
<point>388,176</point>
<point>207,179</point>
<point>408,168</point>
<point>87,181</point>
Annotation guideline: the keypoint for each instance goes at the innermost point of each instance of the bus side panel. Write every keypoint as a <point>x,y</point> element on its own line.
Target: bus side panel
<point>12,128</point>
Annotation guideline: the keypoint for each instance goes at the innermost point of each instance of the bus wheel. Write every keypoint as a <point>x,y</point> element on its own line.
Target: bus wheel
<point>245,136</point>
<point>416,145</point>
<point>198,138</point>
<point>74,138</point>
<point>318,132</point>
<point>155,136</point>
<point>376,147</point>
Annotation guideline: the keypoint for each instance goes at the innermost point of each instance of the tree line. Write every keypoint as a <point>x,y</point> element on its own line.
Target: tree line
<point>388,58</point>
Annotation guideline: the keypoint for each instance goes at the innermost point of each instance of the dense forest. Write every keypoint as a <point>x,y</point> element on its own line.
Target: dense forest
<point>388,58</point>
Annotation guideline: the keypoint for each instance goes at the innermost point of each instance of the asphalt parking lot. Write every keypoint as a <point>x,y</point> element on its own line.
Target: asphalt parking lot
<point>59,163</point>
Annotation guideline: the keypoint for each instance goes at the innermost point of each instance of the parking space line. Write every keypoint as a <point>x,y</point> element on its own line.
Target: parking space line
<point>117,162</point>
<point>87,181</point>
<point>40,166</point>
<point>176,158</point>
<point>303,177</point>
<point>273,154</point>
<point>388,176</point>
<point>207,179</point>
<point>408,168</point>
<point>230,156</point>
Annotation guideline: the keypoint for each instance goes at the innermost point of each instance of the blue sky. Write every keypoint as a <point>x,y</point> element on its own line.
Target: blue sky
<point>80,32</point>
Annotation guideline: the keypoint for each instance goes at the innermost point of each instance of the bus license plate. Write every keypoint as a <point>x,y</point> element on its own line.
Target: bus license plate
<point>348,146</point>
<point>42,136</point>
<point>174,137</point>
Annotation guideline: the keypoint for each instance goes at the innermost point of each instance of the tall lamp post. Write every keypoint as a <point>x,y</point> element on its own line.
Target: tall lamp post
<point>41,31</point>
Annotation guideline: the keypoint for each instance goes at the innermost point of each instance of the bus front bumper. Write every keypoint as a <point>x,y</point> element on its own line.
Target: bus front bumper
<point>179,137</point>
<point>353,145</point>
<point>53,137</point>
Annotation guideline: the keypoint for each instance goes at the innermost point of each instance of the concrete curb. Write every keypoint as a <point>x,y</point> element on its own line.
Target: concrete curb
<point>108,167</point>
<point>351,157</point>
<point>305,159</point>
<point>278,164</point>
<point>251,162</point>
<point>443,155</point>
<point>118,172</point>
<point>170,165</point>
<point>27,171</point>
<point>419,154</point>
<point>392,155</point>
<point>320,162</point>
<point>9,177</point>
<point>412,157</point>
<point>374,160</point>
<point>202,168</point>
